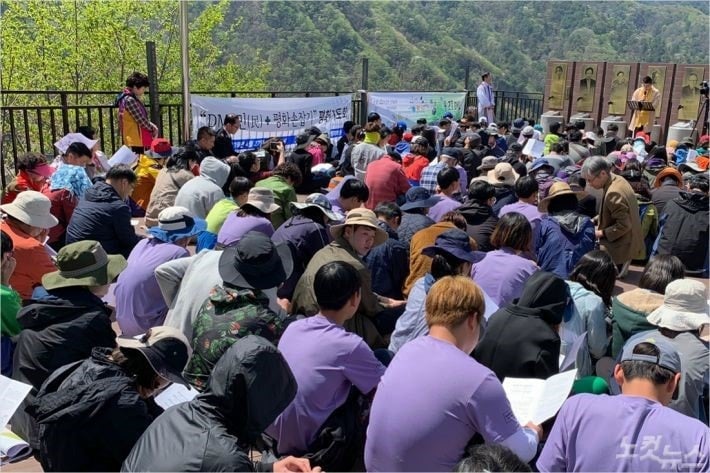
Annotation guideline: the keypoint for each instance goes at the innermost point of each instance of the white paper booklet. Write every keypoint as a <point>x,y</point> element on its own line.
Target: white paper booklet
<point>536,400</point>
<point>124,155</point>
<point>175,394</point>
<point>534,148</point>
<point>12,447</point>
<point>12,393</point>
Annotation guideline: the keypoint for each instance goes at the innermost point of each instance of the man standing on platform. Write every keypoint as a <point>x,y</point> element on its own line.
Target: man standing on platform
<point>484,93</point>
<point>643,119</point>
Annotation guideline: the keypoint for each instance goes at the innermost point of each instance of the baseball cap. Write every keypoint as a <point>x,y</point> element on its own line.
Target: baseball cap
<point>668,356</point>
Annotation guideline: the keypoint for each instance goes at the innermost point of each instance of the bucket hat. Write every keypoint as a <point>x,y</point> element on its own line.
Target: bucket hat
<point>502,174</point>
<point>165,348</point>
<point>320,202</point>
<point>685,306</point>
<point>488,163</point>
<point>668,172</point>
<point>84,263</point>
<point>31,208</point>
<point>262,199</point>
<point>361,217</point>
<point>175,223</point>
<point>256,262</point>
<point>160,148</point>
<point>418,198</point>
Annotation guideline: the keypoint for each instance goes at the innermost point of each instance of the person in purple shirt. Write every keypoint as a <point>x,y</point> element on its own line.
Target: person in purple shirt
<point>434,397</point>
<point>349,194</point>
<point>252,215</point>
<point>333,369</point>
<point>526,189</point>
<point>448,185</point>
<point>139,302</point>
<point>645,435</point>
<point>503,272</point>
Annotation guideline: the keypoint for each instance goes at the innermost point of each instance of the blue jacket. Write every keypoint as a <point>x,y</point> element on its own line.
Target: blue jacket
<point>389,265</point>
<point>411,224</point>
<point>304,238</point>
<point>103,216</point>
<point>562,240</point>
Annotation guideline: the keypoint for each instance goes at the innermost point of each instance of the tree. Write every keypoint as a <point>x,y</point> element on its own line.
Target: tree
<point>95,45</point>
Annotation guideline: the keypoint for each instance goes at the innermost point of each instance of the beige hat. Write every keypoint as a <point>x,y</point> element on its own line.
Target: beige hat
<point>31,208</point>
<point>684,308</point>
<point>502,174</point>
<point>363,217</point>
<point>557,189</point>
<point>262,199</point>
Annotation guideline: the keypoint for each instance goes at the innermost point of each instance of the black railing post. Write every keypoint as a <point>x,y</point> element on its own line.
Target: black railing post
<point>65,112</point>
<point>363,90</point>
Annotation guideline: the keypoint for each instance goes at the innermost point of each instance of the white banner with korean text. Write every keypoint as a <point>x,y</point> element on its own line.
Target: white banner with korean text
<point>411,106</point>
<point>263,118</point>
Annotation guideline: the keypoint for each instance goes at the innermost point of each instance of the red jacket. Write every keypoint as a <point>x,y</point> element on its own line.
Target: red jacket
<point>385,180</point>
<point>414,165</point>
<point>33,261</point>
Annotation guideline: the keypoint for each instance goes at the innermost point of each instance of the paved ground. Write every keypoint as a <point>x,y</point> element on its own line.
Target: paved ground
<point>630,282</point>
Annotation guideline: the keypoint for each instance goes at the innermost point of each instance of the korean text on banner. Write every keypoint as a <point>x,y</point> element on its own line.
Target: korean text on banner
<point>410,106</point>
<point>263,118</point>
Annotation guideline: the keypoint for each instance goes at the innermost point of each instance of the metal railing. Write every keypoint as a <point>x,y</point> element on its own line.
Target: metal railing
<point>35,120</point>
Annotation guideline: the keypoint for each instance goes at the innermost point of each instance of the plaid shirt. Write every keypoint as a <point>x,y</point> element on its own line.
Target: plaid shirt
<point>428,179</point>
<point>138,112</point>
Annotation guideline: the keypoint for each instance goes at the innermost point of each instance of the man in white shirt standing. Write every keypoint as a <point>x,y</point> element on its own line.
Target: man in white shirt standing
<point>486,103</point>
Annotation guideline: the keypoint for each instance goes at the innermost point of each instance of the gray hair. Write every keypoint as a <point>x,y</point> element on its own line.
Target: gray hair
<point>594,165</point>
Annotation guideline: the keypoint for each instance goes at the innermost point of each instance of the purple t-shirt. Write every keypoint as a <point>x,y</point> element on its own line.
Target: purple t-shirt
<point>502,275</point>
<point>529,211</point>
<point>446,204</point>
<point>429,404</point>
<point>236,227</point>
<point>326,362</point>
<point>139,302</point>
<point>624,433</point>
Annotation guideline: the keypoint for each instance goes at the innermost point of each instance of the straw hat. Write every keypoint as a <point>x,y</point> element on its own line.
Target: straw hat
<point>557,189</point>
<point>31,208</point>
<point>362,217</point>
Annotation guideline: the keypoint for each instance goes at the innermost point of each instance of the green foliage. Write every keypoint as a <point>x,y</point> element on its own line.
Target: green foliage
<point>417,45</point>
<point>95,45</point>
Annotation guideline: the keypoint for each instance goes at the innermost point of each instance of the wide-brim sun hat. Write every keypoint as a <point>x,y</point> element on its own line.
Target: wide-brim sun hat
<point>558,189</point>
<point>320,202</point>
<point>166,349</point>
<point>456,243</point>
<point>84,264</point>
<point>684,308</point>
<point>31,208</point>
<point>502,174</point>
<point>262,199</point>
<point>361,217</point>
<point>256,262</point>
<point>175,223</point>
